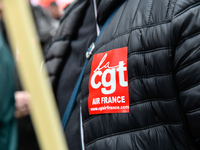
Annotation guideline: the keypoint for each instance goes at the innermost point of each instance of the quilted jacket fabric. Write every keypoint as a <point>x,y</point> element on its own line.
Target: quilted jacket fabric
<point>163,40</point>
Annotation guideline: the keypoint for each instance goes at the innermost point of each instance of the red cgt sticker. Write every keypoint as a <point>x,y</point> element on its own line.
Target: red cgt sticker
<point>108,84</point>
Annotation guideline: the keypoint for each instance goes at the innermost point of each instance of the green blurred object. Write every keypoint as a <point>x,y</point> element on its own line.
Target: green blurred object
<point>8,126</point>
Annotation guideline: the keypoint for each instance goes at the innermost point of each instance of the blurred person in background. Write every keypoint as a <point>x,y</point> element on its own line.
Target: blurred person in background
<point>8,125</point>
<point>26,135</point>
<point>45,27</point>
<point>54,10</point>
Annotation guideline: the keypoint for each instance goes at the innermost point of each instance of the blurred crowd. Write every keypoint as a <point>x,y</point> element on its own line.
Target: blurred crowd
<point>21,134</point>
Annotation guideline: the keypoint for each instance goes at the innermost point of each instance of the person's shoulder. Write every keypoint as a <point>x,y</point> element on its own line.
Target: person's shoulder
<point>72,7</point>
<point>37,7</point>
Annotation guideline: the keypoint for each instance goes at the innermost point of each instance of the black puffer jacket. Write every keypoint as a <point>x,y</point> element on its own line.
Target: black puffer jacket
<point>163,41</point>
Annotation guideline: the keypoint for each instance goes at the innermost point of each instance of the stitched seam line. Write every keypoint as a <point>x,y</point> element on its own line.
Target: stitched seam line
<point>186,9</point>
<point>150,76</point>
<point>174,8</point>
<point>167,13</point>
<point>137,103</point>
<point>134,130</point>
<point>136,11</point>
<point>187,65</point>
<point>152,100</point>
<point>188,37</point>
<point>149,51</point>
<point>193,86</point>
<point>121,15</point>
<point>190,112</point>
<point>150,13</point>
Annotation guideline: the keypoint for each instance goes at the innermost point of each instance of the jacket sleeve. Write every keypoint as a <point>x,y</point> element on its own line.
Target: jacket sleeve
<point>186,38</point>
